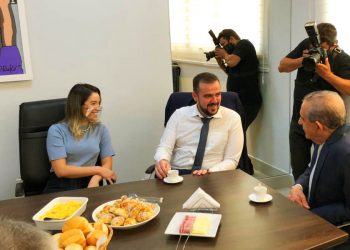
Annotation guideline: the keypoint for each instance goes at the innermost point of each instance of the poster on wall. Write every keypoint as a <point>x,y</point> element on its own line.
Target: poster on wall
<point>14,52</point>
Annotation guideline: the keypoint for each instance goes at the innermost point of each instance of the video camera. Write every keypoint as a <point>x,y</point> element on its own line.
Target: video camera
<point>211,54</point>
<point>317,53</point>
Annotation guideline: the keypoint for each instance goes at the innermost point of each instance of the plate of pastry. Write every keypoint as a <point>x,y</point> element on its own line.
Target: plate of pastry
<point>194,224</point>
<point>126,212</point>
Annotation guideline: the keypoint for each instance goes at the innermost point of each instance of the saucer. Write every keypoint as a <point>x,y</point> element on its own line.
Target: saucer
<point>173,180</point>
<point>268,198</point>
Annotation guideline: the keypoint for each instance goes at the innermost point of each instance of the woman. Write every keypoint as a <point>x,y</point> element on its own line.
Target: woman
<point>75,144</point>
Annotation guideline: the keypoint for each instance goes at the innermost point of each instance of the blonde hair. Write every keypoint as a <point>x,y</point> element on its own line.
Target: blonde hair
<point>74,115</point>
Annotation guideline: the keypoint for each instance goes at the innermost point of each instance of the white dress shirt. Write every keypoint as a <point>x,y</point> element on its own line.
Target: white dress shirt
<point>180,139</point>
<point>313,170</point>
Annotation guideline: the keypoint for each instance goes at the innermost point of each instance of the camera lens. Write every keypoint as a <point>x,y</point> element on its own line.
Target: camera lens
<point>210,54</point>
<point>310,62</point>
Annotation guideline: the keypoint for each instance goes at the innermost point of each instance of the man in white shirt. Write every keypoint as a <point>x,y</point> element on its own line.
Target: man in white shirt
<point>178,145</point>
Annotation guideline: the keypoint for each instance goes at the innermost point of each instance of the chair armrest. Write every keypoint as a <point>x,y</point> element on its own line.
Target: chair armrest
<point>19,188</point>
<point>345,224</point>
<point>150,169</point>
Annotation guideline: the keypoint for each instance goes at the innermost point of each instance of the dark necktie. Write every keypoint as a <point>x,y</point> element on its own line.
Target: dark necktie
<point>198,160</point>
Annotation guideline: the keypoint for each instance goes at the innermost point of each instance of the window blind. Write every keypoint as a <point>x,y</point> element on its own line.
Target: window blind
<point>335,12</point>
<point>190,21</point>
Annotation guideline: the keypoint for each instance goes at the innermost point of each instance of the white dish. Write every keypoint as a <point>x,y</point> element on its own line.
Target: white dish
<point>267,198</point>
<point>173,227</point>
<point>173,180</point>
<point>57,224</point>
<point>99,208</point>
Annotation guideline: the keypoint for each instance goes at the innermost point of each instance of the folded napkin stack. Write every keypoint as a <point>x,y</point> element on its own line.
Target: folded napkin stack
<point>200,200</point>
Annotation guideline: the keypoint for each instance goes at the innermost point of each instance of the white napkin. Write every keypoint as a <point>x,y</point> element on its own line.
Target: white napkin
<point>200,199</point>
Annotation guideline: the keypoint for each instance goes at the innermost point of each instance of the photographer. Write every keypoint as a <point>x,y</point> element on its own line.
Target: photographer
<point>333,74</point>
<point>239,60</point>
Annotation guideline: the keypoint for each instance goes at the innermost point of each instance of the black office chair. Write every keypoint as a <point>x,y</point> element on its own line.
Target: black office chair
<point>228,100</point>
<point>176,76</point>
<point>35,118</point>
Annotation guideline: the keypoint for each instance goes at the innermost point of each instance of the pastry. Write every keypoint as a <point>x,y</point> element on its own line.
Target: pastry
<point>142,216</point>
<point>73,246</point>
<point>78,222</point>
<point>117,221</point>
<point>72,236</point>
<point>93,237</point>
<point>130,221</point>
<point>101,226</point>
<point>106,218</point>
<point>126,211</point>
<point>119,212</point>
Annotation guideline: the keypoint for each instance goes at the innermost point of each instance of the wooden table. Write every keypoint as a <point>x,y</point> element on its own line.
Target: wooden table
<point>279,224</point>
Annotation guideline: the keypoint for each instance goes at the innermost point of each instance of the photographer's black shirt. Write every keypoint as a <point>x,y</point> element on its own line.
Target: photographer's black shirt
<point>243,78</point>
<point>340,66</point>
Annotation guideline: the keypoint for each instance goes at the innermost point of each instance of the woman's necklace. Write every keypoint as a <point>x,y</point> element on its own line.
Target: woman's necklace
<point>85,130</point>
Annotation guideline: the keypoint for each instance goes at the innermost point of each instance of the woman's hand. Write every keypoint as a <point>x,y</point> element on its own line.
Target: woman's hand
<point>95,181</point>
<point>108,174</point>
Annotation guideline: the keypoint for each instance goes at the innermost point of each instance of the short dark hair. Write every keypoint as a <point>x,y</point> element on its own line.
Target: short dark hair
<point>327,32</point>
<point>227,33</point>
<point>204,77</point>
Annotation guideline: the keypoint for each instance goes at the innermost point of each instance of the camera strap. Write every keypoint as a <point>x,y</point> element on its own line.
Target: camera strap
<point>336,51</point>
<point>333,54</point>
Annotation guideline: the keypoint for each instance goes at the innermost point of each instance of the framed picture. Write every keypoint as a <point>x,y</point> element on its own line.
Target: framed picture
<point>14,50</point>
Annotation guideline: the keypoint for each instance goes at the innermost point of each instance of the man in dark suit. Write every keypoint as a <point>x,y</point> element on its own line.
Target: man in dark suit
<point>324,188</point>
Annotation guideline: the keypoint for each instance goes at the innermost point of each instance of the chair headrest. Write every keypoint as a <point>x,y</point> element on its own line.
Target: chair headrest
<point>38,116</point>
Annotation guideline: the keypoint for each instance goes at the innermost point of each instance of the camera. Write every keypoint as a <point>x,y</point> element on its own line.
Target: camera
<point>317,53</point>
<point>211,54</point>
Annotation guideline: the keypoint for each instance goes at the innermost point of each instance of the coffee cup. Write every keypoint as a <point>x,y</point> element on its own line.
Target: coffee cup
<point>173,174</point>
<point>260,192</point>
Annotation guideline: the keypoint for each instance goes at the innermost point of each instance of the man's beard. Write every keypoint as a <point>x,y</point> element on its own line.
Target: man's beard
<point>211,106</point>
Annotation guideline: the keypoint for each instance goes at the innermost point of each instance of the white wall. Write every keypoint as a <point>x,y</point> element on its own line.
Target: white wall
<point>268,135</point>
<point>121,47</point>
